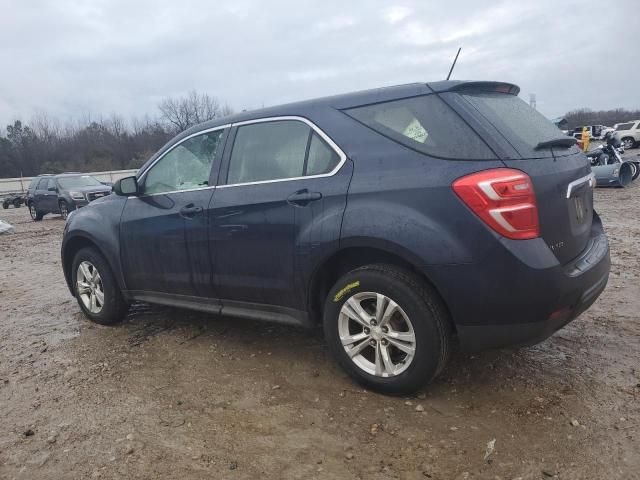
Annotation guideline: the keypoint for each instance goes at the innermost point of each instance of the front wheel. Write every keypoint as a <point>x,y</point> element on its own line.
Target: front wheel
<point>35,214</point>
<point>64,210</point>
<point>96,289</point>
<point>387,329</point>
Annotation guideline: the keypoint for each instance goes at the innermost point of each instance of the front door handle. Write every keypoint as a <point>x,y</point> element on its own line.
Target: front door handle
<point>190,211</point>
<point>303,197</point>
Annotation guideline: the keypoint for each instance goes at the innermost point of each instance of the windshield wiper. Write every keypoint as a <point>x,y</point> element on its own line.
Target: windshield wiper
<point>564,142</point>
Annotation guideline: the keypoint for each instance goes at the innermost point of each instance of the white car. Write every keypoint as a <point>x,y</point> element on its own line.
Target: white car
<point>629,133</point>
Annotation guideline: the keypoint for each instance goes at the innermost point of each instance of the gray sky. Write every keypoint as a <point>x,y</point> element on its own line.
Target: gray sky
<point>73,58</point>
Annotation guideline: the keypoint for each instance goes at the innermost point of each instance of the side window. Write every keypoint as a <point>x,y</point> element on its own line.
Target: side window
<point>624,126</point>
<point>425,124</point>
<point>43,184</point>
<point>322,158</point>
<point>186,166</point>
<point>268,151</point>
<point>51,184</point>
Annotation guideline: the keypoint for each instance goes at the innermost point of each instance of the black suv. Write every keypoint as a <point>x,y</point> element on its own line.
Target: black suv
<point>399,218</point>
<point>62,193</point>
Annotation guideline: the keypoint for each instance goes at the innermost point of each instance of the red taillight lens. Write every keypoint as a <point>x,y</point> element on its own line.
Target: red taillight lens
<point>504,199</point>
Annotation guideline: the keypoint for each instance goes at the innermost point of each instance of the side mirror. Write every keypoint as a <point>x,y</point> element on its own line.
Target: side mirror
<point>126,186</point>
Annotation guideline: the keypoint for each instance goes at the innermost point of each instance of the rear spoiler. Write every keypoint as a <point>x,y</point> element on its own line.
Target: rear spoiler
<point>474,86</point>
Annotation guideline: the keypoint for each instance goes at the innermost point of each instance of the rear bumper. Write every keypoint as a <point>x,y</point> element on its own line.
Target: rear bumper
<point>522,295</point>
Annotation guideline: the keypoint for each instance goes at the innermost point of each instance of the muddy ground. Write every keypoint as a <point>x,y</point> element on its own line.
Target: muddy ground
<point>178,394</point>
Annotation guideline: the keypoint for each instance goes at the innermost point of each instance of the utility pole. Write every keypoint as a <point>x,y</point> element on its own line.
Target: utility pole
<point>532,101</point>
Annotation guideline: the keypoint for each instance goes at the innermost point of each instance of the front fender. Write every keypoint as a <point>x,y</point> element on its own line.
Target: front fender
<point>97,224</point>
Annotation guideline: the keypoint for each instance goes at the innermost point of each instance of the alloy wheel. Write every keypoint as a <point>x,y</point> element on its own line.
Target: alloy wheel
<point>32,211</point>
<point>89,287</point>
<point>376,334</point>
<point>628,143</point>
<point>64,211</point>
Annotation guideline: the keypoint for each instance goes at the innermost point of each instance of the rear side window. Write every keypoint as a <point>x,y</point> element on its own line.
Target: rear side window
<point>322,158</point>
<point>425,124</point>
<point>520,124</point>
<point>279,150</point>
<point>624,126</point>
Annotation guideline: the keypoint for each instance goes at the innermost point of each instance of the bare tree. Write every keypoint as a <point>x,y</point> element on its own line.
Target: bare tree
<point>192,109</point>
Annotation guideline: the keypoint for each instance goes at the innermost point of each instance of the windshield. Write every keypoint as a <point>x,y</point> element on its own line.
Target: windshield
<point>522,126</point>
<point>79,181</point>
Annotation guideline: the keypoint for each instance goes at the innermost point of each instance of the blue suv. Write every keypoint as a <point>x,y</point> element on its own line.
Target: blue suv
<point>399,218</point>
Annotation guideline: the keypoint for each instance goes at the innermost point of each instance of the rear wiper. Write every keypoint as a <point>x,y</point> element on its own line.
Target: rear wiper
<point>565,142</point>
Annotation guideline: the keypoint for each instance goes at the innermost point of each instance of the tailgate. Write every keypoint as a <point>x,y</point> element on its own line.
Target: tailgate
<point>565,201</point>
<point>560,173</point>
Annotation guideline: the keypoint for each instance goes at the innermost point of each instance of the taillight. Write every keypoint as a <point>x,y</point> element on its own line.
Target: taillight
<point>504,199</point>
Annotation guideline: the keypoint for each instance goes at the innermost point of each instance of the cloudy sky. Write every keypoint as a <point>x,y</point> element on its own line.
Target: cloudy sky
<point>98,57</point>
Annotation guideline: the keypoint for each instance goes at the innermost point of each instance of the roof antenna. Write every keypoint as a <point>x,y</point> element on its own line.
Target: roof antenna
<point>454,63</point>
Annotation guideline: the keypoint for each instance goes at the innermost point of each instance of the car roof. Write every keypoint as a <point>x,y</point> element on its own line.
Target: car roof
<point>350,100</point>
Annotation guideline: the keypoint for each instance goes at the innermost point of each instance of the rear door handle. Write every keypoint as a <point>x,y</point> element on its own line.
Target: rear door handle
<point>303,197</point>
<point>190,211</point>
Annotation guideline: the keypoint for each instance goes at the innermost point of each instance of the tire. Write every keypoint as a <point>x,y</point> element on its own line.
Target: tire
<point>421,315</point>
<point>35,214</point>
<point>64,209</point>
<point>113,307</point>
<point>635,170</point>
<point>5,205</point>
<point>628,142</point>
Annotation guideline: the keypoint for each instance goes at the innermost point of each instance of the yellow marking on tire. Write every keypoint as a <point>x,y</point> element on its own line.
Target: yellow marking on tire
<point>338,296</point>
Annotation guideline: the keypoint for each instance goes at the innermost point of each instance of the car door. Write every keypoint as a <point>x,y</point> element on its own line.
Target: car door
<point>163,230</point>
<point>41,195</point>
<point>51,196</point>
<point>261,209</point>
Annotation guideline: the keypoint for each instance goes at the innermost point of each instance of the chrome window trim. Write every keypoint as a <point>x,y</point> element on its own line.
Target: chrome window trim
<point>315,128</point>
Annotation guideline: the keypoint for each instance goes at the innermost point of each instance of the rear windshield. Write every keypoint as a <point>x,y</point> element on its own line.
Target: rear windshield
<point>521,125</point>
<point>79,181</point>
<point>425,124</point>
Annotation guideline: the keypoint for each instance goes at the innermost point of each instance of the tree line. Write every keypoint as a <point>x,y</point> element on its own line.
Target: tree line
<point>45,145</point>
<point>584,116</point>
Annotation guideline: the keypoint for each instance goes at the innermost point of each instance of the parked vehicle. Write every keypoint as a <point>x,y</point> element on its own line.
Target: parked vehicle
<point>610,153</point>
<point>16,200</point>
<point>62,193</point>
<point>629,133</point>
<point>365,212</point>
<point>596,132</point>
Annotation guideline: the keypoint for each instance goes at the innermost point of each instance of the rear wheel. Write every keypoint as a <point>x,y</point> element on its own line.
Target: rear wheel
<point>96,289</point>
<point>35,214</point>
<point>628,142</point>
<point>5,205</point>
<point>387,328</point>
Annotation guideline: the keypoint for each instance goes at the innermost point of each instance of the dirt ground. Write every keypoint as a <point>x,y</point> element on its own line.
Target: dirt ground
<point>179,394</point>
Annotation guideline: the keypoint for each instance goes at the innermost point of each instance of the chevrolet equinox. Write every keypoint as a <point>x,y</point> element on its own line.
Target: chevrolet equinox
<point>399,218</point>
